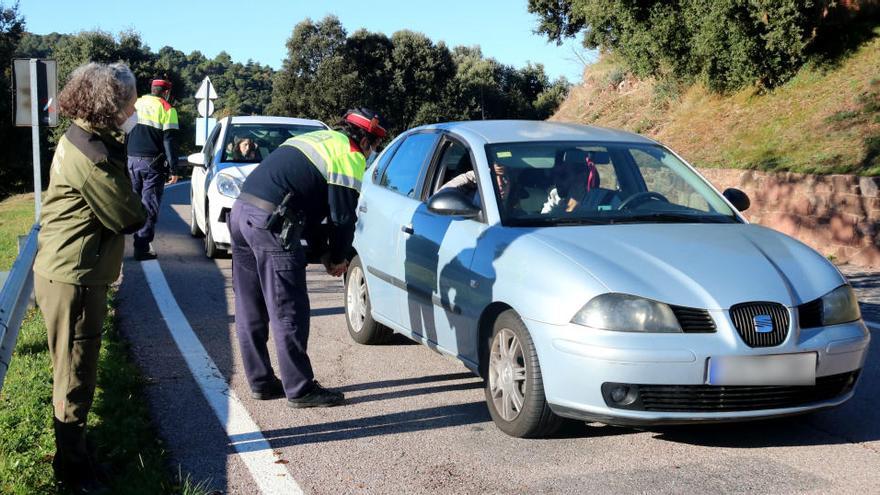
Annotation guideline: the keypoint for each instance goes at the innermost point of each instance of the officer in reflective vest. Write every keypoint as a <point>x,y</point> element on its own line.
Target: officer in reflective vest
<point>309,178</point>
<point>152,159</point>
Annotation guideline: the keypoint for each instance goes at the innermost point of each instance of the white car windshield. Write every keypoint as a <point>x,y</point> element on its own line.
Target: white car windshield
<point>252,143</point>
<point>556,183</point>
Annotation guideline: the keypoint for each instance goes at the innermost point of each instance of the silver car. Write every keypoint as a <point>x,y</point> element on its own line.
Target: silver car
<point>590,273</point>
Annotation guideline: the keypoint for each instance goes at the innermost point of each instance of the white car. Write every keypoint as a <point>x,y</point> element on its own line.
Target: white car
<point>219,172</point>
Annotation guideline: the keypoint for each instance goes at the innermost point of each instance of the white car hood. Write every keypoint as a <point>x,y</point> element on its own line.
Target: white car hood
<point>712,266</point>
<point>237,170</point>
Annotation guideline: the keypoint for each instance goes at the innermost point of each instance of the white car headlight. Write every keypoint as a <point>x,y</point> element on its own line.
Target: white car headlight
<point>228,185</point>
<point>840,306</point>
<point>625,313</point>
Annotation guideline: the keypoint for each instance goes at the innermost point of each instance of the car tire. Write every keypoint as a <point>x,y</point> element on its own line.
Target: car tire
<point>514,386</point>
<point>362,328</point>
<point>211,249</point>
<point>194,229</point>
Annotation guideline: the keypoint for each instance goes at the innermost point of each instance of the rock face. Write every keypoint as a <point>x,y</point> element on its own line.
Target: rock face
<point>836,215</point>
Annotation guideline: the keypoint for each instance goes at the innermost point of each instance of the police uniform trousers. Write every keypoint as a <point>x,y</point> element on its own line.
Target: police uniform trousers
<point>270,291</point>
<point>74,316</point>
<point>148,182</point>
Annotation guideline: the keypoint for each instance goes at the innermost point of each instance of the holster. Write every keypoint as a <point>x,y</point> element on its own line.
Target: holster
<point>292,223</point>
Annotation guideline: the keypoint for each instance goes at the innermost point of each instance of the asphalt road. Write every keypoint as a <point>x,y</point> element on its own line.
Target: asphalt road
<point>416,421</point>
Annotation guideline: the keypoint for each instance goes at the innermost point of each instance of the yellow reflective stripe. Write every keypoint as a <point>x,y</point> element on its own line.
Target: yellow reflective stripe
<point>151,112</point>
<point>331,153</point>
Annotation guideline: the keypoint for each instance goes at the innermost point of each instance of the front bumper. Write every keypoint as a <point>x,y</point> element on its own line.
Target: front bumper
<point>576,361</point>
<point>220,206</point>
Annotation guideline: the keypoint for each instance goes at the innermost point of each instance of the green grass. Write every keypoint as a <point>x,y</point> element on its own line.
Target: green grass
<point>16,218</point>
<point>119,422</point>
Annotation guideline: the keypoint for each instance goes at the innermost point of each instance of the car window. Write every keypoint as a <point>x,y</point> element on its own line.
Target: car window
<point>402,172</point>
<point>252,143</point>
<point>454,162</point>
<point>546,183</point>
<point>210,145</point>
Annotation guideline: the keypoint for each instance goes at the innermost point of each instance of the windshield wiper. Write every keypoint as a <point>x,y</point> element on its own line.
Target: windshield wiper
<point>556,221</point>
<point>674,218</point>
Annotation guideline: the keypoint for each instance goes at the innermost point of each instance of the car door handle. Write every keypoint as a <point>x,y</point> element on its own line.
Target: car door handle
<point>408,229</point>
<point>362,208</point>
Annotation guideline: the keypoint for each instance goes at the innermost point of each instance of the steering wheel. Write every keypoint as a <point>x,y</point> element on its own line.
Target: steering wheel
<point>639,198</point>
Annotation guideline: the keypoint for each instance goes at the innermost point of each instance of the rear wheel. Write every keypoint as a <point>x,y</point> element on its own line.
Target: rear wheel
<point>514,387</point>
<point>361,326</point>
<point>194,229</point>
<point>211,249</point>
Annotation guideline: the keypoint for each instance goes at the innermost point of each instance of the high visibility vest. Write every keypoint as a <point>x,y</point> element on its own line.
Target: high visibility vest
<point>332,152</point>
<point>155,112</point>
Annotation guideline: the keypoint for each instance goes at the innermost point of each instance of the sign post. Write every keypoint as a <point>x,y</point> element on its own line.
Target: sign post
<point>205,104</point>
<point>36,86</point>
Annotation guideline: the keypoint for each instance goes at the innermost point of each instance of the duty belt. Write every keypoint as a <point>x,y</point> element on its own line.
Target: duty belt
<point>267,206</point>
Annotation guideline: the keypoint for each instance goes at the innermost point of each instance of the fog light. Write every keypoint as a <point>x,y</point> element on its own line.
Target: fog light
<point>619,393</point>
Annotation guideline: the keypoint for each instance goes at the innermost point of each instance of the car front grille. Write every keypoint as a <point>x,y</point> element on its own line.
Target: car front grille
<point>743,316</point>
<point>693,320</point>
<point>716,398</point>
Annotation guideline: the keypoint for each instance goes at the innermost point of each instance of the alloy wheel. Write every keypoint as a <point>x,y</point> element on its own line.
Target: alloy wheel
<point>507,374</point>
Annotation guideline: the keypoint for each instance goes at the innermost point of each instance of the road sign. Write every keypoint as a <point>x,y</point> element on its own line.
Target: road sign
<point>206,107</point>
<point>47,90</point>
<point>206,90</point>
<point>203,128</point>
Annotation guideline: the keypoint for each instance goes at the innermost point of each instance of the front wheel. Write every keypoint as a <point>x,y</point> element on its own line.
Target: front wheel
<point>211,249</point>
<point>194,229</point>
<point>514,387</point>
<point>361,326</point>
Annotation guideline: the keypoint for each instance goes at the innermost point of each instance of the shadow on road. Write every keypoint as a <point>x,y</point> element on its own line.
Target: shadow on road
<point>386,424</point>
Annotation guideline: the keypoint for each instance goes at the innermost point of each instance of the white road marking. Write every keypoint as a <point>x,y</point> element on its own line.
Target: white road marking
<point>271,477</point>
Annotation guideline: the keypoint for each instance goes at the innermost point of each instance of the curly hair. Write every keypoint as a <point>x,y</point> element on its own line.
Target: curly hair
<point>98,93</point>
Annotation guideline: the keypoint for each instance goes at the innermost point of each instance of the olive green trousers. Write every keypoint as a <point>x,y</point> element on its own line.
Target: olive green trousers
<point>74,316</point>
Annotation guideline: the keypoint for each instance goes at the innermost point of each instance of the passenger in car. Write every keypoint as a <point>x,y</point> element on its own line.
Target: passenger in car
<point>574,176</point>
<point>467,182</point>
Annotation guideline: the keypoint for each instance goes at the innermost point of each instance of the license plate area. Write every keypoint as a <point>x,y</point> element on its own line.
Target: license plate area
<point>773,369</point>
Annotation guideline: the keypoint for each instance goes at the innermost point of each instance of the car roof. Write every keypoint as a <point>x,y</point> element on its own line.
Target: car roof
<point>506,131</point>
<point>260,119</point>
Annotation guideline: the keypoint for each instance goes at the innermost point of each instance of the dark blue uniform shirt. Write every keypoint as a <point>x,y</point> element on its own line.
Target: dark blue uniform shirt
<point>288,170</point>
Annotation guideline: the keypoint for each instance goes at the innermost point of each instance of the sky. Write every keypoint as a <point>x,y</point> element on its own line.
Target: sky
<point>259,29</point>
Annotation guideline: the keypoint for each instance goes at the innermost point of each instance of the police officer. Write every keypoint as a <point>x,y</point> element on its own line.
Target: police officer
<point>151,158</point>
<point>305,180</point>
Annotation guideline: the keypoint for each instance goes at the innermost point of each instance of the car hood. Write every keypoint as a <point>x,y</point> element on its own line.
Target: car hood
<point>237,170</point>
<point>704,265</point>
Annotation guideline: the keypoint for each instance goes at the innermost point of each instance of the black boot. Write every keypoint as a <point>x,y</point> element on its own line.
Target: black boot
<point>73,466</point>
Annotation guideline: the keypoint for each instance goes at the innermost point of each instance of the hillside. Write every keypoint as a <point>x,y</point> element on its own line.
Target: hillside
<point>826,120</point>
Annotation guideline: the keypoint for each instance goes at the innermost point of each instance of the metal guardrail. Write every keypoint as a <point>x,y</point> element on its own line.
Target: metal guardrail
<point>14,299</point>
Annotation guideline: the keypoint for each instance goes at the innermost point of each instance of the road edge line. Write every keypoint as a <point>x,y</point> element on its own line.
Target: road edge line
<point>271,477</point>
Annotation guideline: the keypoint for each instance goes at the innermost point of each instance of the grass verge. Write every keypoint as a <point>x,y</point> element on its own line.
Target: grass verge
<point>119,422</point>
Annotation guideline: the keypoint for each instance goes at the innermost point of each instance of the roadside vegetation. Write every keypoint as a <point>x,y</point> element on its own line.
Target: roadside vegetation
<point>119,421</point>
<point>788,85</point>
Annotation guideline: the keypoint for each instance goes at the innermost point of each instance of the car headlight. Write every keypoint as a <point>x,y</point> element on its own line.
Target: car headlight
<point>228,185</point>
<point>625,313</point>
<point>840,306</point>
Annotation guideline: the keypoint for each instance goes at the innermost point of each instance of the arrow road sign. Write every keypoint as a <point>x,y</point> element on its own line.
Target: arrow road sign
<point>206,90</point>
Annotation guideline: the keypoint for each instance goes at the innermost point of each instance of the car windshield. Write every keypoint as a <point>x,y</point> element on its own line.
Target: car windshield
<point>251,143</point>
<point>565,183</point>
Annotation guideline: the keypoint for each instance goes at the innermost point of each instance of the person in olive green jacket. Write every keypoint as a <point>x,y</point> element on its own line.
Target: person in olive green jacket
<point>87,210</point>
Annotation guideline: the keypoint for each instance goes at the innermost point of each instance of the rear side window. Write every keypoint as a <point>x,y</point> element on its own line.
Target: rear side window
<point>402,173</point>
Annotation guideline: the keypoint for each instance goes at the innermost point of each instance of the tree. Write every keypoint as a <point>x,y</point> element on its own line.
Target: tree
<point>14,153</point>
<point>727,43</point>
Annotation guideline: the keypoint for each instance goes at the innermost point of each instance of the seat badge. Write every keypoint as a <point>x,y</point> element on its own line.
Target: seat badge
<point>763,323</point>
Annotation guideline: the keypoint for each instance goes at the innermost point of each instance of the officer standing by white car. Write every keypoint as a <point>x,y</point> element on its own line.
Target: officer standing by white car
<point>305,180</point>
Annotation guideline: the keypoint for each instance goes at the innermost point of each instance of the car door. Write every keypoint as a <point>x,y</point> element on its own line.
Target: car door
<point>385,207</point>
<point>201,176</point>
<point>437,251</point>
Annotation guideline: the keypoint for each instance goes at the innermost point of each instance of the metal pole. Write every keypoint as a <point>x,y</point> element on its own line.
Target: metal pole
<point>207,104</point>
<point>35,136</point>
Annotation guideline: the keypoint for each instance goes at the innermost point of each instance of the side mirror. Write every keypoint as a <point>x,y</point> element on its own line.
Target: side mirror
<point>196,160</point>
<point>737,198</point>
<point>452,202</point>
